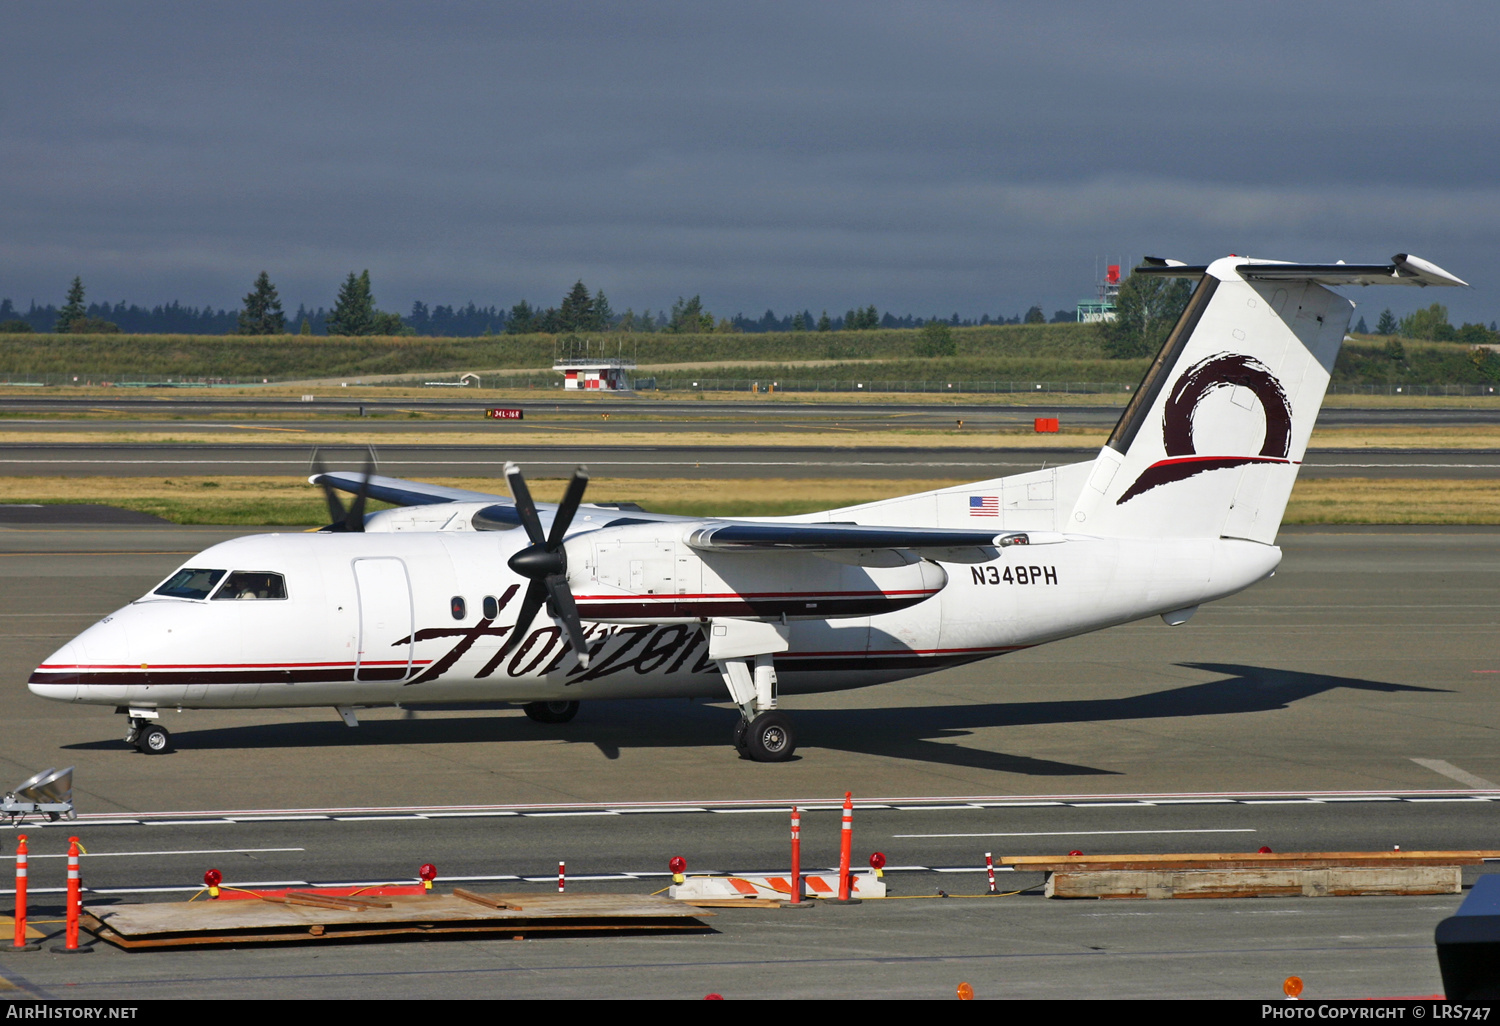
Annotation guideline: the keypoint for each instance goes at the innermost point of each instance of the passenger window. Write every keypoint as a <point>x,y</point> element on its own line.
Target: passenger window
<point>252,584</point>
<point>491,607</point>
<point>190,584</point>
<point>456,607</point>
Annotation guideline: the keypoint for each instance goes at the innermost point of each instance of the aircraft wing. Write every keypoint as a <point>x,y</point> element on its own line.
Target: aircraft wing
<point>866,545</point>
<point>738,536</point>
<point>400,492</point>
<point>858,542</point>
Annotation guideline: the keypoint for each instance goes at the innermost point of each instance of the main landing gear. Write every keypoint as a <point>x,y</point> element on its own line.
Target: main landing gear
<point>148,738</point>
<point>551,712</point>
<point>767,738</point>
<point>763,734</point>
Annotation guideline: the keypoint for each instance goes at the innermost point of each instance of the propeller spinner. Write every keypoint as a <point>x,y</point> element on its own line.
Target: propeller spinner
<point>545,561</point>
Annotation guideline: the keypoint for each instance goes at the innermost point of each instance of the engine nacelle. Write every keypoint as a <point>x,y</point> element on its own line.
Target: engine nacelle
<point>647,573</point>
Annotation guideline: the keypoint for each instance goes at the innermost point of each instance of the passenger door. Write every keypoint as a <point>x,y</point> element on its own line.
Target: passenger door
<point>385,618</point>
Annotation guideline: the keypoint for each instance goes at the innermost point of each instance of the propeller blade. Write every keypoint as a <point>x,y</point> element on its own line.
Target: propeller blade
<point>568,507</point>
<point>524,504</point>
<point>354,520</point>
<point>565,610</point>
<point>336,511</point>
<point>536,594</point>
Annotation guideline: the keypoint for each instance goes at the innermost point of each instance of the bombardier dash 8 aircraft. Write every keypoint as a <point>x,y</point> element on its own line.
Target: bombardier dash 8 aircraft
<point>438,601</point>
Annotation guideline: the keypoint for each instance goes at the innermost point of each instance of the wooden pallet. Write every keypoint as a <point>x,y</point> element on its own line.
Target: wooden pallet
<point>1251,874</point>
<point>304,917</point>
<point>1245,860</point>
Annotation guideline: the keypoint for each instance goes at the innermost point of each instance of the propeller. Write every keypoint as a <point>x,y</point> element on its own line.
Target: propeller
<point>353,518</point>
<point>545,561</point>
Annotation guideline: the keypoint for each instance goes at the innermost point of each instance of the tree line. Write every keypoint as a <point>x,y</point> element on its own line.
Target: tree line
<point>354,312</point>
<point>1146,309</point>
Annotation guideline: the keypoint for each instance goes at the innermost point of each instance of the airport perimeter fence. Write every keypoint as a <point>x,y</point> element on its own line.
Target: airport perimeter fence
<point>690,384</point>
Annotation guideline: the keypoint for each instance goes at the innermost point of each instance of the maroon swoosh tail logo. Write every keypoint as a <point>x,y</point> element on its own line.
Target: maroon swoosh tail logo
<point>1183,467</point>
<point>1223,370</point>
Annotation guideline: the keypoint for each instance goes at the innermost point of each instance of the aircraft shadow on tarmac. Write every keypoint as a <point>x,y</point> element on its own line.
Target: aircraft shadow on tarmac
<point>921,734</point>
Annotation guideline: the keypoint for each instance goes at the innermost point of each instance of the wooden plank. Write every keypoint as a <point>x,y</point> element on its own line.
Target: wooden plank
<point>325,901</point>
<point>1151,865</point>
<point>1209,858</point>
<point>1262,882</point>
<point>302,920</point>
<point>687,922</point>
<point>486,900</point>
<point>8,932</point>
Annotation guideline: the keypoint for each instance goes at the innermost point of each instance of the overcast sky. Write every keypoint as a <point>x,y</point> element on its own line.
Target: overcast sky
<point>927,157</point>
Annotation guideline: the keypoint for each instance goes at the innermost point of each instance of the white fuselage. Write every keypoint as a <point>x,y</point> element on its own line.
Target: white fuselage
<point>371,619</point>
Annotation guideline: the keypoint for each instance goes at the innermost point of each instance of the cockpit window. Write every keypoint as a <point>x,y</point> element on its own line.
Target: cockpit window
<point>252,584</point>
<point>190,584</point>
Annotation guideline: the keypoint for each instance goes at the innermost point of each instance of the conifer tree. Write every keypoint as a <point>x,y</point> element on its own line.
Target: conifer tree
<point>1387,323</point>
<point>74,311</point>
<point>262,313</point>
<point>354,311</point>
<point>576,312</point>
<point>601,315</point>
<point>521,320</point>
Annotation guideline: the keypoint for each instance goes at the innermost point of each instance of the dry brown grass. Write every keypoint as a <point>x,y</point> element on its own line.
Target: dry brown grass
<point>707,433</point>
<point>1351,500</point>
<point>274,501</point>
<point>841,438</point>
<point>1466,436</point>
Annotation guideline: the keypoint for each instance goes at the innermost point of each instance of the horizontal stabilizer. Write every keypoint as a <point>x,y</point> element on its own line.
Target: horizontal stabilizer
<point>1404,269</point>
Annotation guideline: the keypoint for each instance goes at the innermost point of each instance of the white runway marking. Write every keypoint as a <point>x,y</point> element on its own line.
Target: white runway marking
<point>1452,772</point>
<point>761,806</point>
<point>192,851</point>
<point>1089,833</point>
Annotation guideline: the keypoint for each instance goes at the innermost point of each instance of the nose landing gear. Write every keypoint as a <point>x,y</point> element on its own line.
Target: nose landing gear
<point>148,738</point>
<point>551,712</point>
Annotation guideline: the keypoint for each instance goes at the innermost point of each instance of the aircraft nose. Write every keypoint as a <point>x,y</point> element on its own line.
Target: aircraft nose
<point>103,646</point>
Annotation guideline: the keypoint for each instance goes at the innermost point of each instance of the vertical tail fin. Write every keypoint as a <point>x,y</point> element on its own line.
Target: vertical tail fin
<point>1210,444</point>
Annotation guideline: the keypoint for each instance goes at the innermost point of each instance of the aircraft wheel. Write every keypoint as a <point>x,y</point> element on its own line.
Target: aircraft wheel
<point>770,738</point>
<point>551,712</point>
<point>742,737</point>
<point>154,740</point>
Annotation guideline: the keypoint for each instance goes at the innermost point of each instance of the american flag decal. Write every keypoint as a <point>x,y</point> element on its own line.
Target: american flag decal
<point>984,505</point>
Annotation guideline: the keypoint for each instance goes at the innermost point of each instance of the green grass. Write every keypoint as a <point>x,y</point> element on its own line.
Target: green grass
<point>159,357</point>
<point>1045,353</point>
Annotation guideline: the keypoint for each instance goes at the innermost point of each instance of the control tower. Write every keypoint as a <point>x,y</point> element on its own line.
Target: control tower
<point>1102,307</point>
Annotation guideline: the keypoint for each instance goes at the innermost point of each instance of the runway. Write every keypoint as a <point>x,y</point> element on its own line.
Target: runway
<point>1367,664</point>
<point>663,461</point>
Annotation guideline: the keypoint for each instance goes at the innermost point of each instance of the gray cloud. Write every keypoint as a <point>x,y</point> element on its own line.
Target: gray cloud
<point>927,157</point>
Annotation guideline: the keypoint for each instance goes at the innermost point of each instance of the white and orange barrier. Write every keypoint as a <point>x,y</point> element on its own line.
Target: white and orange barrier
<point>721,888</point>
